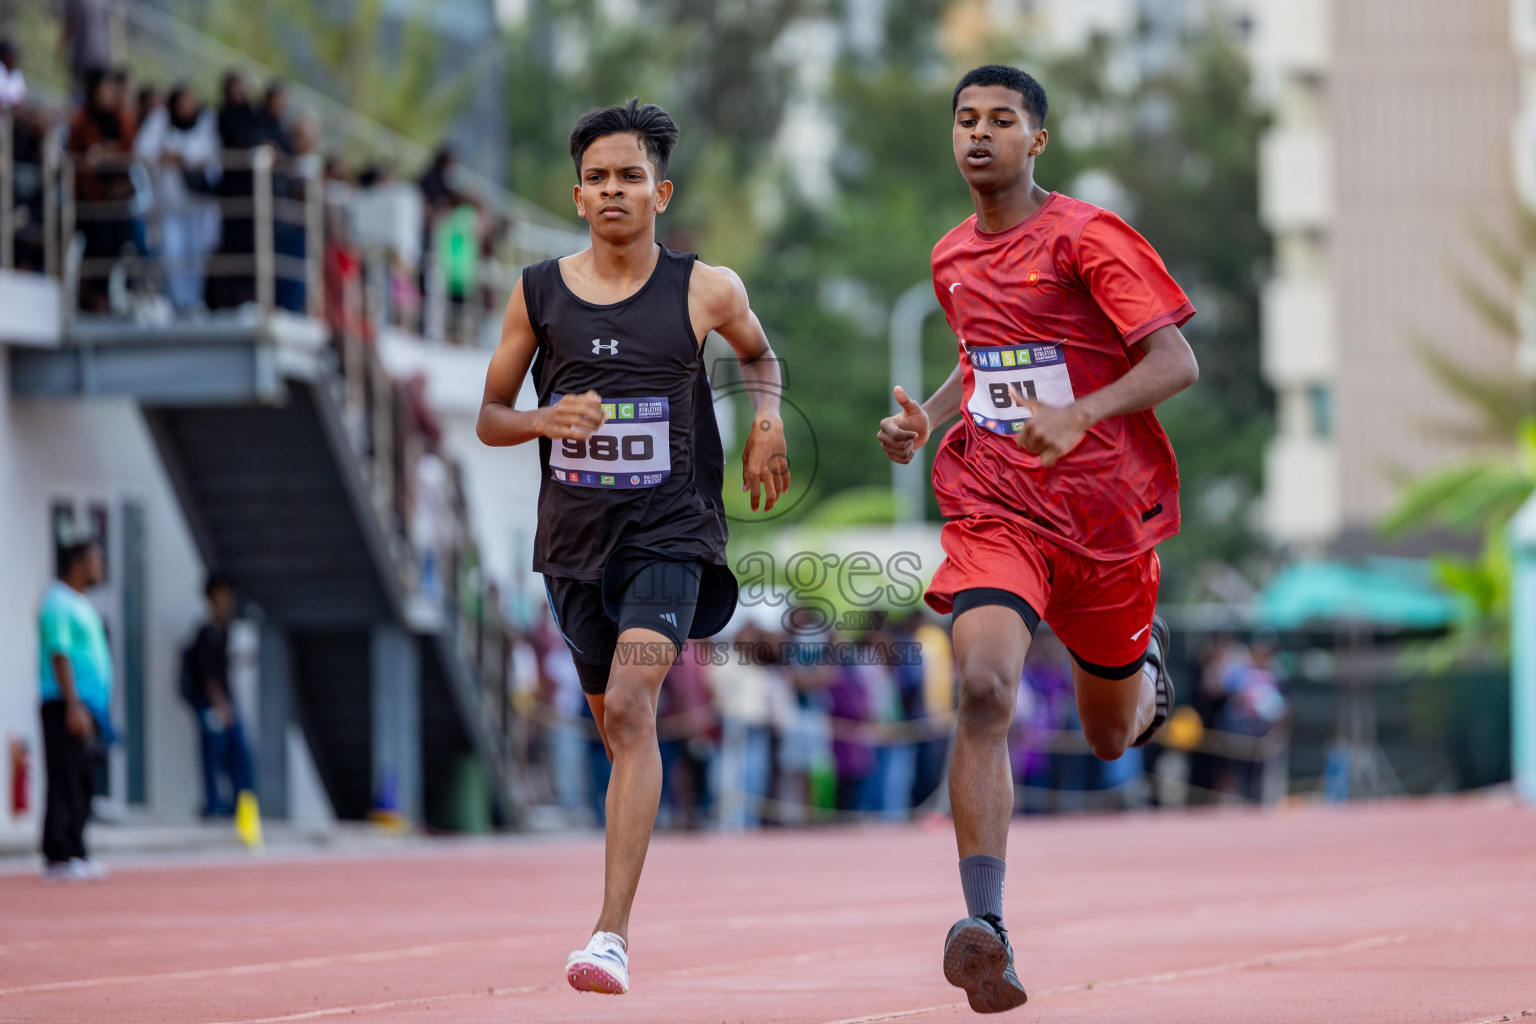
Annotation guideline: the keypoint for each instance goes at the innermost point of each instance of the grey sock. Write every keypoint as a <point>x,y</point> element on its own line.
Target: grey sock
<point>981,877</point>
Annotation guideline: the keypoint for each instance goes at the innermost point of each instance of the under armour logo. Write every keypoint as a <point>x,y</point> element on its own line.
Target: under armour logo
<point>670,617</point>
<point>598,348</point>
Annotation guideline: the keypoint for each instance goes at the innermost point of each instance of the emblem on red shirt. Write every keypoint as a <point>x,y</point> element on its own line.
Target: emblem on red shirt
<point>1032,276</point>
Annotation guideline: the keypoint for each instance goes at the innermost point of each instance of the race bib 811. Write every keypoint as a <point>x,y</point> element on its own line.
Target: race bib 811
<point>631,449</point>
<point>1040,371</point>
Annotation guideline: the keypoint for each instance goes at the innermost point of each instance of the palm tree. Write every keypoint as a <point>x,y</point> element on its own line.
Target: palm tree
<point>1479,495</point>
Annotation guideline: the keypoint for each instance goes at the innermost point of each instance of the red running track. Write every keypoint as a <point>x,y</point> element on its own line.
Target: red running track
<point>1417,911</point>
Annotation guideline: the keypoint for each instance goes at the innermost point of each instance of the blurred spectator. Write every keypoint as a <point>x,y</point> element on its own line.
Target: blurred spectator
<point>179,143</point>
<point>296,140</point>
<point>569,733</point>
<point>388,214</point>
<point>890,788</point>
<point>686,727</point>
<point>101,141</point>
<point>910,713</point>
<point>456,250</point>
<point>1046,703</point>
<point>852,711</point>
<point>938,705</point>
<point>742,689</point>
<point>86,42</point>
<point>343,267</point>
<point>13,86</point>
<point>272,118</point>
<point>287,193</point>
<point>807,772</point>
<point>305,135</point>
<point>205,685</point>
<point>240,124</point>
<point>1255,706</point>
<point>1217,660</point>
<point>149,100</point>
<point>432,523</point>
<point>28,124</point>
<point>434,184</point>
<point>240,128</point>
<point>75,682</point>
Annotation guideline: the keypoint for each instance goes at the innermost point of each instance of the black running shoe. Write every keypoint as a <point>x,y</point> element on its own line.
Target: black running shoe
<point>1157,651</point>
<point>978,958</point>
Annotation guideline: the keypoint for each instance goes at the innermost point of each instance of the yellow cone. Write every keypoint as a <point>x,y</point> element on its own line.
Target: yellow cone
<point>248,820</point>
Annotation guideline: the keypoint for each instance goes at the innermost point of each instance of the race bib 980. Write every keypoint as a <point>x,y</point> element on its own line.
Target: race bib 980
<point>1040,371</point>
<point>631,449</point>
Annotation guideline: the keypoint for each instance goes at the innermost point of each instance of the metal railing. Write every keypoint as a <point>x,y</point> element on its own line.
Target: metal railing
<point>123,230</point>
<point>29,196</point>
<point>381,428</point>
<point>151,32</point>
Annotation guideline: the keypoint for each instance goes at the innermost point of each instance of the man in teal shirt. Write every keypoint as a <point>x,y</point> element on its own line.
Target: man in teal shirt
<point>75,683</point>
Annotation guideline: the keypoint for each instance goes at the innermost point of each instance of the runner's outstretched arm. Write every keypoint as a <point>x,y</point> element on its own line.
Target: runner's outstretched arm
<point>1168,368</point>
<point>722,299</point>
<point>903,434</point>
<point>500,422</point>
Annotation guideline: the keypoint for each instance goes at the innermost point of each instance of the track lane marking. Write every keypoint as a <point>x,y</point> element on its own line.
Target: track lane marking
<point>271,967</point>
<point>1266,960</point>
<point>495,993</point>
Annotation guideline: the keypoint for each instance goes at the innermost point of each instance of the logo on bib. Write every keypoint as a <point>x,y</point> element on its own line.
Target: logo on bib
<point>598,348</point>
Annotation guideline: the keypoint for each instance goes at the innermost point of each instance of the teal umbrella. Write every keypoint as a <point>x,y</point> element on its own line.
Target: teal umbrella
<point>1387,592</point>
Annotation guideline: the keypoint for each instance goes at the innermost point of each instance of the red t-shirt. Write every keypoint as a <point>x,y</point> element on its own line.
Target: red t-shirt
<point>1057,304</point>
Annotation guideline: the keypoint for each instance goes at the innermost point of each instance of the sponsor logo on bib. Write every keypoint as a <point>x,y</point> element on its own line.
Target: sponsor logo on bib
<point>1001,373</point>
<point>631,449</point>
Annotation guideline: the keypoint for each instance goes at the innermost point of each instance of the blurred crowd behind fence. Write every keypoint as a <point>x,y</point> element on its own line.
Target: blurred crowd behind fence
<point>156,211</point>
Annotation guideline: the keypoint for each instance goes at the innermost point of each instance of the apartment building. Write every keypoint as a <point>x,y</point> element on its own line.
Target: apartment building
<point>1391,140</point>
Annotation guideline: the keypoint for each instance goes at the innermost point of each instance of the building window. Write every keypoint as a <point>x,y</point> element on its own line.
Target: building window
<point>1320,405</point>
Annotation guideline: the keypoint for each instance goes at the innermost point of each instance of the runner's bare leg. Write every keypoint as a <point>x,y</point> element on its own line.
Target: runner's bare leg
<point>990,644</point>
<point>634,790</point>
<point>1114,711</point>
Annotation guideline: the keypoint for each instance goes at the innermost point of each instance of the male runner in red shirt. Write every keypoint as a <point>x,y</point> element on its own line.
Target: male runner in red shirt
<point>1057,482</point>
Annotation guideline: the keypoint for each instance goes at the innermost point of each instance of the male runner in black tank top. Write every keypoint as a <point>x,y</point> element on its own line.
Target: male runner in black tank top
<point>631,537</point>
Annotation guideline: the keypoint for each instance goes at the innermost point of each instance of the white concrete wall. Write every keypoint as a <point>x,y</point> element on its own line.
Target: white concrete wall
<point>102,449</point>
<point>30,311</point>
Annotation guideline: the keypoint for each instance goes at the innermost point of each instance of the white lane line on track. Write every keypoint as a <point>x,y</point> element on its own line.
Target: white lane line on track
<point>676,972</point>
<point>304,963</point>
<point>393,1004</point>
<point>1267,960</point>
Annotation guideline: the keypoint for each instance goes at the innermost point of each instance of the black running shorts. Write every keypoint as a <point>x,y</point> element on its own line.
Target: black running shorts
<point>638,591</point>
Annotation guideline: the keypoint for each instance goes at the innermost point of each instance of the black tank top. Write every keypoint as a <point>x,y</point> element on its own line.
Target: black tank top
<point>651,477</point>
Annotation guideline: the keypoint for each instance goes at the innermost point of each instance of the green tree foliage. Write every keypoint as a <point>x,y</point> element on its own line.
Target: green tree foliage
<point>824,274</point>
<point>1478,496</point>
<point>711,65</point>
<point>348,51</point>
<point>1184,147</point>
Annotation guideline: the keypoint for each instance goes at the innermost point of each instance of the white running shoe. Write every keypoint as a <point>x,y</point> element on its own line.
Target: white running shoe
<point>90,870</point>
<point>602,967</point>
<point>61,871</point>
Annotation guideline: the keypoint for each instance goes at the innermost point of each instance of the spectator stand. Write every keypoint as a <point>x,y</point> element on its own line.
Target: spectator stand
<point>206,379</point>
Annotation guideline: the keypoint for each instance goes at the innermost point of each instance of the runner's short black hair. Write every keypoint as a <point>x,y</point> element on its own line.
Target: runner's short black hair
<point>1011,78</point>
<point>652,125</point>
